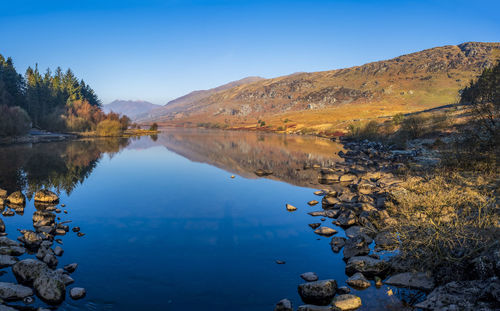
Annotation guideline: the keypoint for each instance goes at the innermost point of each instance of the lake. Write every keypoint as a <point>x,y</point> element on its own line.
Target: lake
<point>167,228</point>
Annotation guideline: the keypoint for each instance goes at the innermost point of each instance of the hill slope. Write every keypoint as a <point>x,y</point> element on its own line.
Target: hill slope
<point>130,108</point>
<point>181,103</point>
<point>329,99</point>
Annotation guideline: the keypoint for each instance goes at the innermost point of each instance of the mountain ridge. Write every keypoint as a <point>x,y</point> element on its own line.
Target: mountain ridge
<point>130,108</point>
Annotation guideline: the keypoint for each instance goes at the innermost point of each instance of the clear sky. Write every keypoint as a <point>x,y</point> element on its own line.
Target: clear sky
<point>159,50</point>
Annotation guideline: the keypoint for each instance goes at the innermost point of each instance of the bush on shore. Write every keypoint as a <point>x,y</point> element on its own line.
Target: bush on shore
<point>109,128</point>
<point>14,121</point>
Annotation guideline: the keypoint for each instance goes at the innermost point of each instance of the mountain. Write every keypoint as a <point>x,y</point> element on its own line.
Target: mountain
<point>330,100</point>
<point>130,108</point>
<point>187,100</point>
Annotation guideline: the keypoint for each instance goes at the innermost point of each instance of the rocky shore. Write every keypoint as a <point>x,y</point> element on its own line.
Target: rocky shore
<point>359,188</point>
<point>37,273</point>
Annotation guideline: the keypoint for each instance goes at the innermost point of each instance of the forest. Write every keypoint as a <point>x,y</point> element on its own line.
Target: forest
<point>53,101</point>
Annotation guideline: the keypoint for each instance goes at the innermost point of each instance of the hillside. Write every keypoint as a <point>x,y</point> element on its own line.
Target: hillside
<point>329,100</point>
<point>183,102</point>
<point>130,108</point>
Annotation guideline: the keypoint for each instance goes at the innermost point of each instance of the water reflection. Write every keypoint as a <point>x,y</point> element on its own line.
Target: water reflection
<point>59,165</point>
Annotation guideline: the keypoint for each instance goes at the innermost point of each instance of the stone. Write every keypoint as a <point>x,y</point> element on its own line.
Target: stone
<point>367,265</point>
<point>12,250</point>
<point>347,219</point>
<point>309,276</point>
<point>356,246</point>
<point>358,281</point>
<point>43,218</point>
<point>31,239</point>
<point>76,229</point>
<point>27,270</point>
<point>46,196</point>
<point>317,213</point>
<point>318,293</point>
<point>17,198</point>
<point>328,178</point>
<point>329,201</point>
<point>325,231</point>
<point>78,293</point>
<point>290,208</point>
<point>71,267</point>
<point>261,172</point>
<point>312,203</point>
<point>320,192</point>
<point>50,287</point>
<point>3,193</point>
<point>7,261</point>
<point>348,178</point>
<point>58,251</point>
<point>337,243</point>
<point>315,225</point>
<point>11,291</point>
<point>358,231</point>
<point>347,302</point>
<point>67,279</point>
<point>348,197</point>
<point>416,280</point>
<point>283,305</point>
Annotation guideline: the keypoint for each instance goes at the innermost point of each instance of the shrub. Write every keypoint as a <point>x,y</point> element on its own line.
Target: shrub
<point>154,127</point>
<point>368,130</point>
<point>398,118</point>
<point>109,128</point>
<point>413,126</point>
<point>14,121</point>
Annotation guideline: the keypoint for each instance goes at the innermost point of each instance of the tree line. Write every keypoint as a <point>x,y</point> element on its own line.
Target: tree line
<point>55,101</point>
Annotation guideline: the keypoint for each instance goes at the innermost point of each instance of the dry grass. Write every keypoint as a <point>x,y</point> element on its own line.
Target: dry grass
<point>444,219</point>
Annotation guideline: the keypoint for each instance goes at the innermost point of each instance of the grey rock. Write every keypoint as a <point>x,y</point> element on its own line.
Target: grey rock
<point>417,280</point>
<point>358,281</point>
<point>347,219</point>
<point>337,243</point>
<point>356,246</point>
<point>11,291</point>
<point>27,270</point>
<point>318,292</point>
<point>58,251</point>
<point>386,241</point>
<point>50,287</point>
<point>309,276</point>
<point>71,267</point>
<point>77,292</point>
<point>367,265</point>
<point>343,290</point>
<point>7,261</point>
<point>284,305</point>
<point>12,250</point>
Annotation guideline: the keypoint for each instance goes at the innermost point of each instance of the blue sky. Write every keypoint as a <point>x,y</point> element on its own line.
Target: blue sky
<point>159,50</point>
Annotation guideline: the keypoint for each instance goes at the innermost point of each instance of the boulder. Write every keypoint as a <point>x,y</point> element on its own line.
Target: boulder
<point>282,305</point>
<point>31,239</point>
<point>318,292</point>
<point>17,198</point>
<point>11,291</point>
<point>5,241</point>
<point>309,276</point>
<point>416,280</point>
<point>79,293</point>
<point>347,219</point>
<point>325,231</point>
<point>347,302</point>
<point>27,270</point>
<point>337,243</point>
<point>356,246</point>
<point>367,265</point>
<point>358,231</point>
<point>12,250</point>
<point>7,261</point>
<point>358,281</point>
<point>46,196</point>
<point>50,287</point>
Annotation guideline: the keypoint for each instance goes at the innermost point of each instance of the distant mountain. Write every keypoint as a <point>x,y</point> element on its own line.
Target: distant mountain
<point>182,102</point>
<point>330,100</point>
<point>130,108</point>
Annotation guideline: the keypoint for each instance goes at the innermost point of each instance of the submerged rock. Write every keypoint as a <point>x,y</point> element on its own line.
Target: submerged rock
<point>347,302</point>
<point>325,231</point>
<point>46,196</point>
<point>358,281</point>
<point>418,280</point>
<point>11,291</point>
<point>284,305</point>
<point>318,292</point>
<point>309,276</point>
<point>78,293</point>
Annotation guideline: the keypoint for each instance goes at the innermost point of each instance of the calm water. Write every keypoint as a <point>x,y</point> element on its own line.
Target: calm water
<point>168,229</point>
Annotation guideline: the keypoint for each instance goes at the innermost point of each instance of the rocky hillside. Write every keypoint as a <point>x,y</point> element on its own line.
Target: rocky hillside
<point>188,100</point>
<point>329,99</point>
<point>130,108</point>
